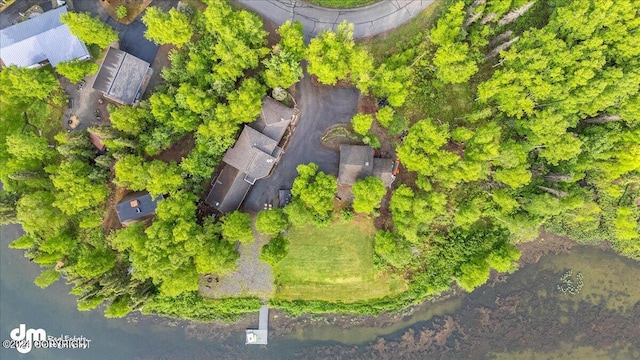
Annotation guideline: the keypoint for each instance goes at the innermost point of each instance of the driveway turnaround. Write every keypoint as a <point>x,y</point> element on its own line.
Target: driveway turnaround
<point>320,108</point>
<point>369,20</point>
<point>132,38</point>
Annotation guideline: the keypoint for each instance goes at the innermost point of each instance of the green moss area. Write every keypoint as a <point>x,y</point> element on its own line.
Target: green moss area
<point>333,263</point>
<point>342,4</point>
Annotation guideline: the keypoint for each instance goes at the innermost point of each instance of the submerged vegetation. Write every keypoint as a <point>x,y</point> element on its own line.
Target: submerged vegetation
<point>508,125</point>
<point>569,284</point>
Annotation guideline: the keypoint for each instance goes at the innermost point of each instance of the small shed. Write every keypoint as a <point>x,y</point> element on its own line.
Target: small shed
<point>96,140</point>
<point>284,197</point>
<point>137,206</point>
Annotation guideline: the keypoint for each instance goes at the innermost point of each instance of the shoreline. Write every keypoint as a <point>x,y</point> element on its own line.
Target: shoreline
<point>282,325</point>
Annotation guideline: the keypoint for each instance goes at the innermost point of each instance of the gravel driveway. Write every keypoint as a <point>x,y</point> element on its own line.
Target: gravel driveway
<point>320,108</point>
<point>253,277</point>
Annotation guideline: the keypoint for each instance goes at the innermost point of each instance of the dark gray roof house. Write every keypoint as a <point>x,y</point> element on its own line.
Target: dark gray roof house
<point>254,154</point>
<point>357,162</point>
<point>253,157</point>
<point>136,206</point>
<point>274,118</point>
<point>122,77</point>
<point>40,39</point>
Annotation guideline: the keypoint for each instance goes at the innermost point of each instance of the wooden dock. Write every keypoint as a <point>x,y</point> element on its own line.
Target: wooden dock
<point>259,336</point>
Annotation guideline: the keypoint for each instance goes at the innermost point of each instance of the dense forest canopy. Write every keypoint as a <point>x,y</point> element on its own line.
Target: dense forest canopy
<point>515,117</point>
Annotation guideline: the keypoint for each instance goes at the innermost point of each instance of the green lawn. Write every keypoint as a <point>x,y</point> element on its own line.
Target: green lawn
<point>345,4</point>
<point>333,263</point>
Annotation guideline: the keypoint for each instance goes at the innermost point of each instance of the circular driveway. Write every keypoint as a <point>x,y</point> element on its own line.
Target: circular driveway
<point>368,21</point>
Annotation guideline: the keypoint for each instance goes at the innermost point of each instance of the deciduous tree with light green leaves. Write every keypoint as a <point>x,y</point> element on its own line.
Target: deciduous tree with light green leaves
<point>131,173</point>
<point>334,56</point>
<point>275,250</point>
<point>282,69</point>
<point>237,227</point>
<point>76,192</point>
<point>76,70</point>
<point>89,29</point>
<point>385,116</point>
<point>167,27</point>
<point>362,123</point>
<point>367,194</point>
<point>271,222</point>
<point>315,190</point>
<point>129,119</point>
<point>423,151</point>
<point>292,39</point>
<point>157,177</point>
<point>453,57</point>
<point>392,249</point>
<point>121,12</point>
<point>21,86</point>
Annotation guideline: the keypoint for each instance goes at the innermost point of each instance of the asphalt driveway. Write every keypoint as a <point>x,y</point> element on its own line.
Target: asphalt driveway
<point>368,20</point>
<point>132,38</point>
<point>12,13</point>
<point>320,107</point>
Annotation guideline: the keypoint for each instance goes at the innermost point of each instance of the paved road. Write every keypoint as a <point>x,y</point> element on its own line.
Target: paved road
<point>320,108</point>
<point>10,14</point>
<point>369,20</point>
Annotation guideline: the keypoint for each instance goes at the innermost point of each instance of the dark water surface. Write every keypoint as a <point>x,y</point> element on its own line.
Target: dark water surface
<point>522,316</point>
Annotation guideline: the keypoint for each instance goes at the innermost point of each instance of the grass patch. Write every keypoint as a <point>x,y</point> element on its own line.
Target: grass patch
<point>342,4</point>
<point>444,102</point>
<point>333,263</point>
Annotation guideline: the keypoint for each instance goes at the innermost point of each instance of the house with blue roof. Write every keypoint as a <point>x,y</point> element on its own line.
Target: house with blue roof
<point>41,39</point>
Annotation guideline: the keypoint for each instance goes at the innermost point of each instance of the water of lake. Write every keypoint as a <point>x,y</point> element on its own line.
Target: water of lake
<point>525,316</point>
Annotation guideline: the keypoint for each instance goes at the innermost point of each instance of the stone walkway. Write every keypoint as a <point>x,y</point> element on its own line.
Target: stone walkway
<point>369,20</point>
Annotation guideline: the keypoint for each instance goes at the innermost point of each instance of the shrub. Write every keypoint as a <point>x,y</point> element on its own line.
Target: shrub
<point>371,140</point>
<point>273,252</point>
<point>75,70</point>
<point>385,116</point>
<point>367,194</point>
<point>121,12</point>
<point>237,227</point>
<point>362,123</point>
<point>346,215</point>
<point>271,222</point>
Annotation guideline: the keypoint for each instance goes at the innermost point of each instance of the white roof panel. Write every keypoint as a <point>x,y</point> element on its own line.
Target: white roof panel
<point>38,39</point>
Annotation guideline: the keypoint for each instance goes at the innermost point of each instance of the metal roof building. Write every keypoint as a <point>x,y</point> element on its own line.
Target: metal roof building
<point>39,39</point>
<point>122,76</point>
